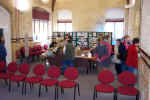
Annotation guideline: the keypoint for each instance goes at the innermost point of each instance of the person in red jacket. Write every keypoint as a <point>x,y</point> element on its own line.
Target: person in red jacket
<point>132,56</point>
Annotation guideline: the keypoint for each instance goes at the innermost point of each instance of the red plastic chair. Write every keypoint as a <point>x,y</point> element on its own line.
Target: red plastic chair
<point>11,69</point>
<point>3,76</point>
<point>24,71</point>
<point>54,73</point>
<point>38,71</point>
<point>128,79</point>
<point>105,77</point>
<point>2,66</point>
<point>71,74</point>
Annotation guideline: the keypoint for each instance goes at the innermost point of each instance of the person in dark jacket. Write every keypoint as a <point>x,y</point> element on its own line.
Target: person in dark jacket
<point>103,55</point>
<point>3,52</point>
<point>123,52</point>
<point>69,52</point>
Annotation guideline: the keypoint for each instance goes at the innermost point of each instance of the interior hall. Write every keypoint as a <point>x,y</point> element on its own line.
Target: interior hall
<point>74,50</point>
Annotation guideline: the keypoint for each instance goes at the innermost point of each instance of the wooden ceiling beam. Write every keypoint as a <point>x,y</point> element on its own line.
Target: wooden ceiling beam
<point>53,4</point>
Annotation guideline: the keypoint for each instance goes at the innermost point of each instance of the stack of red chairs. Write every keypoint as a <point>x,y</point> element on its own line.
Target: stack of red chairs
<point>71,74</point>
<point>34,51</point>
<point>128,79</point>
<point>39,49</point>
<point>24,70</point>
<point>38,71</point>
<point>105,77</point>
<point>54,73</point>
<point>30,51</point>
<point>22,51</point>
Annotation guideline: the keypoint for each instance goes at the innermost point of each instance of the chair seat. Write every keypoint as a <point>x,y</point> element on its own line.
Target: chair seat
<point>17,78</point>
<point>49,82</point>
<point>104,88</point>
<point>33,79</point>
<point>130,91</point>
<point>67,84</point>
<point>4,76</point>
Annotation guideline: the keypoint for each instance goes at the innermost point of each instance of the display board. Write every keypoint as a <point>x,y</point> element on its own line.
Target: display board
<point>145,26</point>
<point>83,39</point>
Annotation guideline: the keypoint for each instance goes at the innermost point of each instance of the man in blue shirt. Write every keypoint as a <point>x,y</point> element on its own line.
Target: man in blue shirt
<point>3,52</point>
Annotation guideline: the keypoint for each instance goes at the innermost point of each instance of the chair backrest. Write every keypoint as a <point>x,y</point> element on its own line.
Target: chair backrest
<point>127,78</point>
<point>39,70</point>
<point>30,51</point>
<point>24,68</point>
<point>2,66</point>
<point>106,77</point>
<point>22,51</point>
<point>54,72</point>
<point>12,67</point>
<point>71,73</point>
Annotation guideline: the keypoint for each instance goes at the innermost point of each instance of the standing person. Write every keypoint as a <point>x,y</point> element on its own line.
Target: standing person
<point>103,54</point>
<point>3,52</point>
<point>116,58</point>
<point>132,56</point>
<point>69,53</point>
<point>123,52</point>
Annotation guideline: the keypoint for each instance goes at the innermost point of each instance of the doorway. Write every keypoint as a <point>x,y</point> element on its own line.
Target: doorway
<point>5,26</point>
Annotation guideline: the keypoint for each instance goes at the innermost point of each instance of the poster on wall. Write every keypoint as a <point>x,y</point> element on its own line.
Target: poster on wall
<point>145,30</point>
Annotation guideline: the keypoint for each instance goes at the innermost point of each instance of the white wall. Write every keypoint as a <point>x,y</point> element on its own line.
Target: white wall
<point>114,13</point>
<point>145,26</point>
<point>5,24</point>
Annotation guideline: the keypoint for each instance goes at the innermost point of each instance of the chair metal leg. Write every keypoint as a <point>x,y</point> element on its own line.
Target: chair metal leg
<point>137,96</point>
<point>62,91</point>
<point>30,86</point>
<point>22,88</point>
<point>74,92</point>
<point>78,89</point>
<point>25,88</point>
<point>46,89</point>
<point>6,82</point>
<point>39,90</point>
<point>94,94</point>
<point>115,95</point>
<point>18,84</point>
<point>9,86</point>
<point>55,93</point>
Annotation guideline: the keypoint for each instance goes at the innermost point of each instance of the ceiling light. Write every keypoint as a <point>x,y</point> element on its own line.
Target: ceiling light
<point>131,4</point>
<point>45,1</point>
<point>22,5</point>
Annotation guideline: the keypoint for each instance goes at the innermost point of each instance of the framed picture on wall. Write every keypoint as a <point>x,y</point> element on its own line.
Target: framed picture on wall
<point>94,34</point>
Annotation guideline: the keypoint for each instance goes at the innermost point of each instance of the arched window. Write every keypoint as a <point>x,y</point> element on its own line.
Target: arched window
<point>40,25</point>
<point>64,21</point>
<point>114,22</point>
